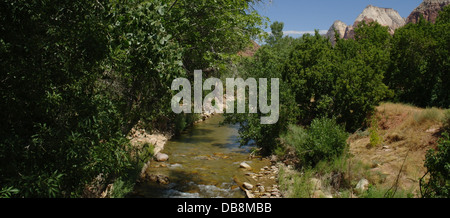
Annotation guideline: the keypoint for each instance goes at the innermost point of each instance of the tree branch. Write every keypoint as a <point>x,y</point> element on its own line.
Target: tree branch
<point>173,4</point>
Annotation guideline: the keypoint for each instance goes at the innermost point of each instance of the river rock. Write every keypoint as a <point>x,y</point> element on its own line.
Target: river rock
<point>249,194</point>
<point>160,157</point>
<point>247,186</point>
<point>315,183</point>
<point>318,194</point>
<point>273,159</point>
<point>362,185</point>
<point>275,194</point>
<point>160,179</point>
<point>261,189</point>
<point>321,194</point>
<point>245,166</point>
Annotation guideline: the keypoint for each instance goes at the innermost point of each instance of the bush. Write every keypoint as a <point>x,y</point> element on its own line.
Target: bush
<point>324,140</point>
<point>344,81</point>
<point>447,121</point>
<point>438,164</point>
<point>419,62</point>
<point>379,192</point>
<point>429,114</point>
<point>375,138</point>
<point>267,63</point>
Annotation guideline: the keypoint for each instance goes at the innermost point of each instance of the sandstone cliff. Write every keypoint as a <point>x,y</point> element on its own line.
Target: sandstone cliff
<point>340,27</point>
<point>384,16</point>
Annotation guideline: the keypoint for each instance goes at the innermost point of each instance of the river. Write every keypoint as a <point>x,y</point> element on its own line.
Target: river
<point>203,162</point>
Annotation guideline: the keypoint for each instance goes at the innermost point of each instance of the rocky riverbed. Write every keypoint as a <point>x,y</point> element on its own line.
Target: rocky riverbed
<point>205,162</point>
<point>263,183</point>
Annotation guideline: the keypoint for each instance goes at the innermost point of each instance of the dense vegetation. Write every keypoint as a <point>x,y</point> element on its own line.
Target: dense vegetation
<point>420,67</point>
<point>344,82</point>
<point>324,140</point>
<point>77,76</point>
<point>438,165</point>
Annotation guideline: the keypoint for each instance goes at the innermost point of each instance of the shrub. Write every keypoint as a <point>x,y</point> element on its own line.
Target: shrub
<point>438,164</point>
<point>324,140</point>
<point>379,192</point>
<point>6,192</point>
<point>121,188</point>
<point>447,121</point>
<point>419,62</point>
<point>344,81</point>
<point>429,114</point>
<point>375,138</point>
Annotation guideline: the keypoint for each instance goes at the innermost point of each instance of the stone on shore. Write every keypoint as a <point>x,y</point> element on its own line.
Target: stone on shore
<point>247,186</point>
<point>245,166</point>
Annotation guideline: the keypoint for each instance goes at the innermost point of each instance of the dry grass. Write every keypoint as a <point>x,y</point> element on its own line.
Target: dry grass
<point>408,133</point>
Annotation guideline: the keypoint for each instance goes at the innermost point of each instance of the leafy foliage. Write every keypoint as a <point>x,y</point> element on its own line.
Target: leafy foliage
<point>143,62</point>
<point>375,138</point>
<point>76,76</point>
<point>324,140</point>
<point>59,131</point>
<point>211,32</point>
<point>267,63</point>
<point>277,32</point>
<point>345,81</point>
<point>420,63</point>
<point>438,165</point>
<point>447,120</point>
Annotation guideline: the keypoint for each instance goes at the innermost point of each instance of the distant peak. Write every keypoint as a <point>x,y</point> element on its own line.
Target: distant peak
<point>338,22</point>
<point>436,1</point>
<point>380,8</point>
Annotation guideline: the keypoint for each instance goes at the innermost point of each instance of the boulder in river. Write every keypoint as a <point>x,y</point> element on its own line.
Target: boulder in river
<point>160,179</point>
<point>160,157</point>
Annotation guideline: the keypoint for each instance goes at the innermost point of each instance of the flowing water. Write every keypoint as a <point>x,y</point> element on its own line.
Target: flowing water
<point>203,162</point>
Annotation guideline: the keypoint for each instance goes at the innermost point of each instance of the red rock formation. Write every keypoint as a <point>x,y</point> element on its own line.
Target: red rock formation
<point>429,9</point>
<point>250,51</point>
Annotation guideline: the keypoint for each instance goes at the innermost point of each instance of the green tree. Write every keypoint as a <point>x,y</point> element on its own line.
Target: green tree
<point>324,140</point>
<point>267,63</point>
<point>420,63</point>
<point>344,81</point>
<point>438,167</point>
<point>76,76</point>
<point>361,66</point>
<point>309,71</point>
<point>144,60</point>
<point>58,131</point>
<point>277,32</point>
<point>211,32</point>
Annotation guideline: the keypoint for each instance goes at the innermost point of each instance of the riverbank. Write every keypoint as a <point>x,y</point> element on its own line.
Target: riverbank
<point>204,162</point>
<point>390,167</point>
<point>158,141</point>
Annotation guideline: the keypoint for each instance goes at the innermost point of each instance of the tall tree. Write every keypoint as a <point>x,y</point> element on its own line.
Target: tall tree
<point>277,32</point>
<point>419,71</point>
<point>210,31</point>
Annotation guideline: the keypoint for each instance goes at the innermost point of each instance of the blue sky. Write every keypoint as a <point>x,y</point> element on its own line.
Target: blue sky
<point>307,15</point>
